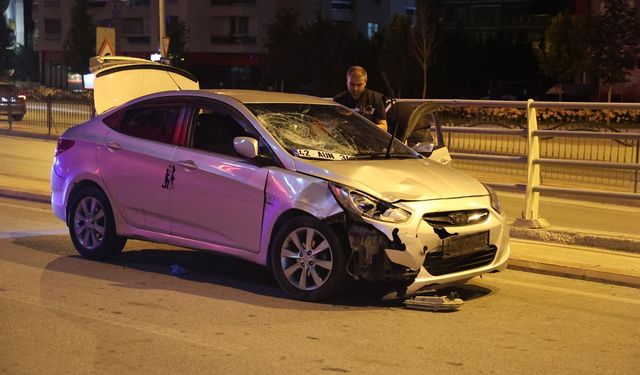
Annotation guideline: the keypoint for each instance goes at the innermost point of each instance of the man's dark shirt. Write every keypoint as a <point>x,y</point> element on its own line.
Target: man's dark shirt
<point>370,104</point>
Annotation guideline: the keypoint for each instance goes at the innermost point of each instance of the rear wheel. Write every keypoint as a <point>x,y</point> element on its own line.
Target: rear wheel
<point>308,260</point>
<point>92,227</point>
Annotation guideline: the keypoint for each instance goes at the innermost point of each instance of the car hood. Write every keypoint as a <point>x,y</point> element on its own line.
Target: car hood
<point>396,179</point>
<point>119,79</point>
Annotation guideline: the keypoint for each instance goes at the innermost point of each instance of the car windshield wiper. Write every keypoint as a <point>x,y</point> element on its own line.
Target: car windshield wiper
<point>382,155</point>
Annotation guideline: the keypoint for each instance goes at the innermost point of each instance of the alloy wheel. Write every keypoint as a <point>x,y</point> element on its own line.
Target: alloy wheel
<point>306,259</point>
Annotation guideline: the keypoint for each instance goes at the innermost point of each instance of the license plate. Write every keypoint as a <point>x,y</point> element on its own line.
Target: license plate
<point>460,245</point>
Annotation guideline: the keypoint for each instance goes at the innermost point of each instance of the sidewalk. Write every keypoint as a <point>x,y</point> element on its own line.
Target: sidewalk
<point>590,241</point>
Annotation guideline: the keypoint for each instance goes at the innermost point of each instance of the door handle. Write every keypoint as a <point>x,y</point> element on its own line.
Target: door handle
<point>187,164</point>
<point>113,146</point>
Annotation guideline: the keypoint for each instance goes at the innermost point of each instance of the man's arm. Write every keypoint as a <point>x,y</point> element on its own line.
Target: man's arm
<point>382,124</point>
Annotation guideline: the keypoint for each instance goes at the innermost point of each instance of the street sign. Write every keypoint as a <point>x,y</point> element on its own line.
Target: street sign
<point>106,49</point>
<point>105,41</point>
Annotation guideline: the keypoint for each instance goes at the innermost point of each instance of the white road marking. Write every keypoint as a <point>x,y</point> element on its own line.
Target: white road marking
<point>25,207</point>
<point>33,233</point>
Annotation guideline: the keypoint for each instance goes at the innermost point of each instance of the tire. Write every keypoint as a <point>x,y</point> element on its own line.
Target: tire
<point>91,225</point>
<point>307,259</point>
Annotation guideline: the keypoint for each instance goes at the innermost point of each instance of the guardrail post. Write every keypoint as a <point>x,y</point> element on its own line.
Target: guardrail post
<point>531,215</point>
<point>9,112</point>
<point>49,115</point>
<point>635,181</point>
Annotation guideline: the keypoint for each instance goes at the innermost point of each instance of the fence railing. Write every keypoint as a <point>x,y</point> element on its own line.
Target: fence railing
<point>518,154</point>
<point>602,162</point>
<point>52,115</point>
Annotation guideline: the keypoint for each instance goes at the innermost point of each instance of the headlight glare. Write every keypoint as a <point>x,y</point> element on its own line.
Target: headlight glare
<point>363,205</point>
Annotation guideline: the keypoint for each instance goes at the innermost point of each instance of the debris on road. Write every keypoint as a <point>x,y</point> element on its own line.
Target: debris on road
<point>449,302</point>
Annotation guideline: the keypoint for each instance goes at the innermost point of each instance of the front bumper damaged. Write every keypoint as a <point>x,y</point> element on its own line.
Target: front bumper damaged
<point>411,256</point>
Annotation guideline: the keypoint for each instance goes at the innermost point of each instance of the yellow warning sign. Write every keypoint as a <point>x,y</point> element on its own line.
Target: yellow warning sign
<point>106,49</point>
<point>105,41</point>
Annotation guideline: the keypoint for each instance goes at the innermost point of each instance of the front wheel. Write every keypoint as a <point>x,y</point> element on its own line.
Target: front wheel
<point>92,227</point>
<point>308,260</point>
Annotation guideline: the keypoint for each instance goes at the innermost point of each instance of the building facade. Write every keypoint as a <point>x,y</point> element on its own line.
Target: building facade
<point>225,37</point>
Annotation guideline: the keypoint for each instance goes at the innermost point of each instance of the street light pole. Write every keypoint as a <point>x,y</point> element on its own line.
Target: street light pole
<point>163,31</point>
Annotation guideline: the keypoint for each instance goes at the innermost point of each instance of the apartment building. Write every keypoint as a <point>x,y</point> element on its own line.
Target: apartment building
<point>225,37</point>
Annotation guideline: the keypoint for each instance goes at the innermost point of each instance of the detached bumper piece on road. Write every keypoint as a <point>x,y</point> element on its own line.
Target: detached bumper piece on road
<point>449,302</point>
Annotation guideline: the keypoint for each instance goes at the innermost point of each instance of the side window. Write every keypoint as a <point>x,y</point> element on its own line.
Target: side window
<point>214,131</point>
<point>152,123</point>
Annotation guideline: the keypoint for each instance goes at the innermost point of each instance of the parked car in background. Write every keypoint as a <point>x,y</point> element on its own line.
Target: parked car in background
<point>12,102</point>
<point>300,184</point>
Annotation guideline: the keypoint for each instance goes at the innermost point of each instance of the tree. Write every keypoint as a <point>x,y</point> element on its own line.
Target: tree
<point>324,51</point>
<point>562,56</point>
<point>178,35</point>
<point>6,44</point>
<point>80,41</point>
<point>394,64</point>
<point>282,47</point>
<point>26,63</point>
<point>423,42</point>
<point>615,43</point>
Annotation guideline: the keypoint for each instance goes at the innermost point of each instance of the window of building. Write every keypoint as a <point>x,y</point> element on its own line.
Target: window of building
<point>485,14</point>
<point>135,3</point>
<point>341,4</point>
<point>52,29</point>
<point>231,2</point>
<point>97,3</point>
<point>228,30</point>
<point>372,29</point>
<point>239,26</point>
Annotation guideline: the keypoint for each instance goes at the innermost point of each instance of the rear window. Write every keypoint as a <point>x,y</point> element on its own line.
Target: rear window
<point>152,123</point>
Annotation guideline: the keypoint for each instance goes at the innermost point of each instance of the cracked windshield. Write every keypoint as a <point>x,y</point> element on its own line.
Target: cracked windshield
<point>326,132</point>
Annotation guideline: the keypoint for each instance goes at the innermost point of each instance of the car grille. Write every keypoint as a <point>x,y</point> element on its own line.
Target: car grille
<point>456,218</point>
<point>437,265</point>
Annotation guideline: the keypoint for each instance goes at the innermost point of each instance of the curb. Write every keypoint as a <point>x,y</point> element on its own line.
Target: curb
<point>34,197</point>
<point>574,273</point>
<point>569,236</point>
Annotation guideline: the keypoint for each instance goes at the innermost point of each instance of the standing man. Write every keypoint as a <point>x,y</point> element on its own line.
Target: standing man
<point>368,103</point>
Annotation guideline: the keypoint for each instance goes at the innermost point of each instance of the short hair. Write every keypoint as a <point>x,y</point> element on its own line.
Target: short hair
<point>357,70</point>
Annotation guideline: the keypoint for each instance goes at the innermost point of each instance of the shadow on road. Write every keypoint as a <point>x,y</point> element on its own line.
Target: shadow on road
<point>233,278</point>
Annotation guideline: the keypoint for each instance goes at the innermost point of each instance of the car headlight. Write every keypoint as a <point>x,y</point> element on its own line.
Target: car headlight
<point>495,201</point>
<point>363,205</point>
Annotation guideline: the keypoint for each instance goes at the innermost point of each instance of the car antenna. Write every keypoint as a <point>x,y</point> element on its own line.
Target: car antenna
<point>166,69</point>
<point>392,101</point>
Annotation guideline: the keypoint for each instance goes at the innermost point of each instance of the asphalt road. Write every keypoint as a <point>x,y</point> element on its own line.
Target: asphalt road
<point>60,313</point>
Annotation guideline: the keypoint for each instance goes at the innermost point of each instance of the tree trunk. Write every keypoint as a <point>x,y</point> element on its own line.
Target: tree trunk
<point>424,82</point>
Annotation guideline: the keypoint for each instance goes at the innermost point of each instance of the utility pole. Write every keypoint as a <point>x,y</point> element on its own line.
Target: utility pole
<point>163,31</point>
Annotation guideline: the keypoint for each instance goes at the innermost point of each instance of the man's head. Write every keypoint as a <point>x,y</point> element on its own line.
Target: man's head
<point>356,81</point>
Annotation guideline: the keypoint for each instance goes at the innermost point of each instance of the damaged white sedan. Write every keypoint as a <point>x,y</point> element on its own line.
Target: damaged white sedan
<point>297,183</point>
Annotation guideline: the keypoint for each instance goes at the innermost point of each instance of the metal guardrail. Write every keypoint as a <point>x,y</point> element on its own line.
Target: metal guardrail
<point>533,151</point>
<point>526,153</point>
<point>53,115</point>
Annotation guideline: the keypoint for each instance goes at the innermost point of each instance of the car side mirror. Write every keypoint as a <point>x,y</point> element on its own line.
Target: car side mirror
<point>246,146</point>
<point>424,148</point>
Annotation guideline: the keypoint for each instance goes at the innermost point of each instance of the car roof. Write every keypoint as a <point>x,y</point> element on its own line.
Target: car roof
<point>256,96</point>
